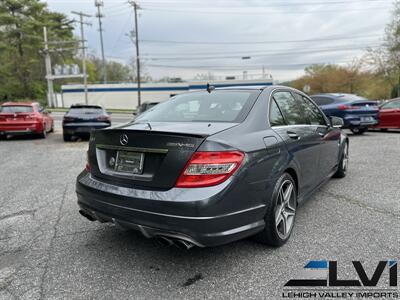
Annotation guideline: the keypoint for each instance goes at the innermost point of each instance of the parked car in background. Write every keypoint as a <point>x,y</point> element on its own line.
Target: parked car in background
<point>389,115</point>
<point>81,119</point>
<point>358,113</point>
<point>145,106</point>
<point>208,168</point>
<point>18,118</point>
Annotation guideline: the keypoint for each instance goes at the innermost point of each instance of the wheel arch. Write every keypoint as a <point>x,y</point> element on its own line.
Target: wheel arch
<point>292,172</point>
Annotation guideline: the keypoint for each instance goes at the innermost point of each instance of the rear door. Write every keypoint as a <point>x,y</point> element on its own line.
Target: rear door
<point>300,139</point>
<point>328,137</point>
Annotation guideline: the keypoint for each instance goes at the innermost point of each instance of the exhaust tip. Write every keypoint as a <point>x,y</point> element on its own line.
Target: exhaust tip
<point>181,244</point>
<point>87,215</point>
<point>164,241</point>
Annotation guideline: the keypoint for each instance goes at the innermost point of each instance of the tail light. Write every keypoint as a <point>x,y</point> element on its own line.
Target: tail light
<point>88,167</point>
<point>209,168</point>
<point>103,118</point>
<point>68,119</point>
<point>346,107</point>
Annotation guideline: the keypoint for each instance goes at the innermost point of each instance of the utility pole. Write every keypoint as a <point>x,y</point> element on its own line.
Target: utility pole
<point>81,15</point>
<point>99,15</point>
<point>58,47</point>
<point>136,31</point>
<point>50,88</point>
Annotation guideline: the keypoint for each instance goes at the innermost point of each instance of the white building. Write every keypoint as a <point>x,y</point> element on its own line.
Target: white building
<point>124,95</point>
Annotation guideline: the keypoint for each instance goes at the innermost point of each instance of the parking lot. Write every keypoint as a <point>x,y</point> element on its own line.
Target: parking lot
<point>49,251</point>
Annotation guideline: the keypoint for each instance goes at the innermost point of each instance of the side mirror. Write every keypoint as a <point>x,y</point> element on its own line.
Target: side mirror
<point>337,122</point>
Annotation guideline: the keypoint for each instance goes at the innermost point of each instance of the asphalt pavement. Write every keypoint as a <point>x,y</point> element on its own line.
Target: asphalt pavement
<point>49,251</point>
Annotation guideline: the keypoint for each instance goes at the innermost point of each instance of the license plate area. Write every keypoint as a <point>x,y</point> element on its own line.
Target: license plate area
<point>128,162</point>
<point>367,119</point>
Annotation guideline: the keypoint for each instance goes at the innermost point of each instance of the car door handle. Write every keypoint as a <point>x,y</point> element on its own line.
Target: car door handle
<point>293,135</point>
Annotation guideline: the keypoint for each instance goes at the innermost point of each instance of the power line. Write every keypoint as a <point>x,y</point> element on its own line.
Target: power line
<point>185,58</point>
<point>263,13</point>
<point>249,67</point>
<point>260,42</point>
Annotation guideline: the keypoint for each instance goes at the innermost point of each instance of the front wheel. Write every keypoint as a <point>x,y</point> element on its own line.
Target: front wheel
<point>281,212</point>
<point>343,163</point>
<point>358,131</point>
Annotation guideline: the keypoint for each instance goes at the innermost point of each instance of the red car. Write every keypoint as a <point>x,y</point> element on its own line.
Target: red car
<point>24,118</point>
<point>389,115</point>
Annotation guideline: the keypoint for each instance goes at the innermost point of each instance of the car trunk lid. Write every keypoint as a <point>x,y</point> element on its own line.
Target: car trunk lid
<point>148,155</point>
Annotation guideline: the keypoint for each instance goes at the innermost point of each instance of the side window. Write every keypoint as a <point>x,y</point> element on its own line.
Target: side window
<point>312,113</point>
<point>292,112</point>
<point>391,105</point>
<point>275,115</point>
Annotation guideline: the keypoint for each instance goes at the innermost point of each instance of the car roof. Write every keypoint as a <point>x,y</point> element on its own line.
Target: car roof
<point>19,103</point>
<point>242,87</point>
<point>85,106</point>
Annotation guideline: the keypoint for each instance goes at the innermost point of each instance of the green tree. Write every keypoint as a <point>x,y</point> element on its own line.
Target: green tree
<point>22,72</point>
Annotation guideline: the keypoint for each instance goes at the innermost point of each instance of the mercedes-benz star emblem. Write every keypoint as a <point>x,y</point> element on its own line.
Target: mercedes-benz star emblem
<point>123,139</point>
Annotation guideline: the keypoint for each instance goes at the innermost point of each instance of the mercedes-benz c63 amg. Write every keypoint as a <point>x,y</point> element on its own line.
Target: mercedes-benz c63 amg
<point>210,167</point>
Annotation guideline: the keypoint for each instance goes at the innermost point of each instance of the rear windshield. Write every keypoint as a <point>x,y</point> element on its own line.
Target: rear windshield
<point>217,106</point>
<point>16,109</point>
<point>85,110</point>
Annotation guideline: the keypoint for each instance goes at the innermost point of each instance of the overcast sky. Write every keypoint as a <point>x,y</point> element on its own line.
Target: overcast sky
<point>183,38</point>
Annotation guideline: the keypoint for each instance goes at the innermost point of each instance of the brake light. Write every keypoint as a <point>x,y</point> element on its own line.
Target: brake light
<point>346,107</point>
<point>88,167</point>
<point>209,168</point>
<point>68,119</point>
<point>103,118</point>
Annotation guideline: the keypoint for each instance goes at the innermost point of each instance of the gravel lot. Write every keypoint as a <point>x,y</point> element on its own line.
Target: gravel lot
<point>48,251</point>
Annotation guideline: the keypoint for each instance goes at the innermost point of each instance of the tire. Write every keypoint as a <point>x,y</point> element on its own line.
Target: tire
<point>3,137</point>
<point>281,213</point>
<point>43,134</point>
<point>358,131</point>
<point>67,137</point>
<point>343,163</point>
<point>383,129</point>
<point>52,128</point>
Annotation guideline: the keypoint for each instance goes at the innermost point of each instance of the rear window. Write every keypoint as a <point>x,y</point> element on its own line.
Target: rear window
<point>322,100</point>
<point>85,110</point>
<point>217,106</point>
<point>16,109</point>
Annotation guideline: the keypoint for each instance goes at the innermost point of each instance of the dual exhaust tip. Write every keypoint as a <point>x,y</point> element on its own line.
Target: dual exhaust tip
<point>163,240</point>
<point>181,244</point>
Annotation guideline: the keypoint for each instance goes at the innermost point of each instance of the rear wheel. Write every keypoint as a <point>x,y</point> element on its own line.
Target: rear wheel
<point>384,129</point>
<point>343,163</point>
<point>281,212</point>
<point>358,131</point>
<point>52,128</point>
<point>3,137</point>
<point>67,137</point>
<point>43,134</point>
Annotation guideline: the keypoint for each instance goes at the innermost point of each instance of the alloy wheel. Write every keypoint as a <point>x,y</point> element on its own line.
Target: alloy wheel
<point>285,209</point>
<point>345,161</point>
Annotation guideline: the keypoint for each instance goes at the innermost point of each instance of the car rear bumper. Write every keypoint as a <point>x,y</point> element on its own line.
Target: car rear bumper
<point>355,121</point>
<point>20,128</point>
<point>82,128</point>
<point>173,213</point>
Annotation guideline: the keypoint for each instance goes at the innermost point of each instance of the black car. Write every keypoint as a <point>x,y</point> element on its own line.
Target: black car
<point>81,119</point>
<point>145,106</point>
<point>209,168</point>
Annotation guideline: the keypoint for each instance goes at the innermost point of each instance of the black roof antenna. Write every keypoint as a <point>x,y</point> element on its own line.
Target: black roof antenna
<point>210,88</point>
